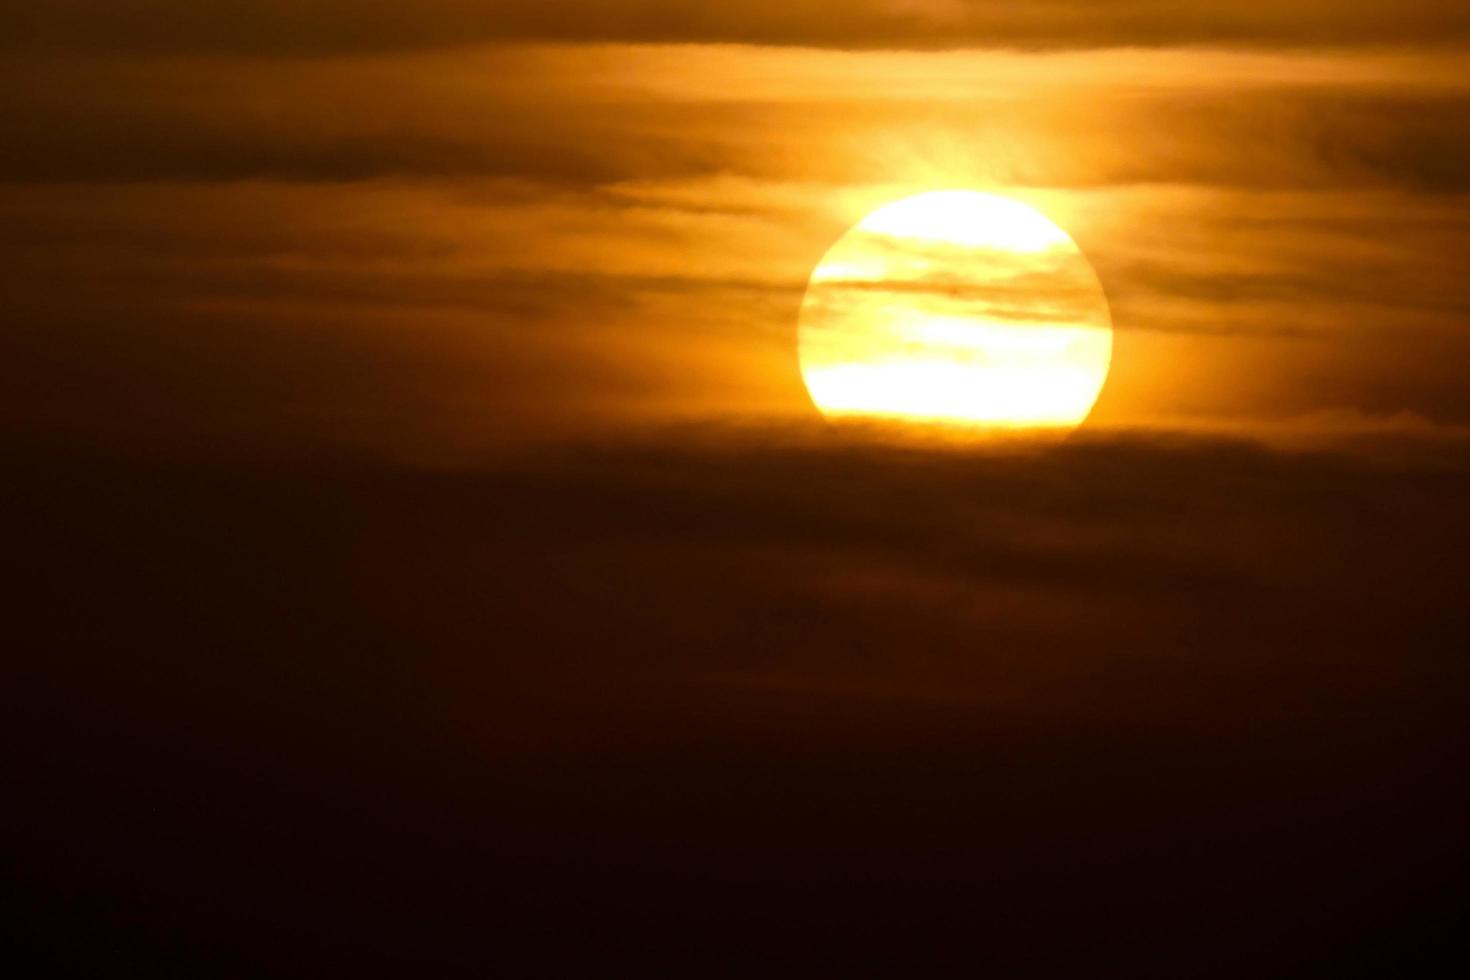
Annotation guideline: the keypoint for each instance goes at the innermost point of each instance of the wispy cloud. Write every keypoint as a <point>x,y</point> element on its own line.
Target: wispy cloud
<point>294,27</point>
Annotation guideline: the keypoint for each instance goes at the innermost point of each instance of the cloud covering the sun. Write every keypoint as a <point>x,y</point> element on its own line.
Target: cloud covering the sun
<point>268,222</point>
<point>424,533</point>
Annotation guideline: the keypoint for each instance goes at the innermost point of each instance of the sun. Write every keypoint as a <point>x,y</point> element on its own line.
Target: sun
<point>956,308</point>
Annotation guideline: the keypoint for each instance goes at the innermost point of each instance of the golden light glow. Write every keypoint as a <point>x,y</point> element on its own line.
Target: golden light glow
<point>959,308</point>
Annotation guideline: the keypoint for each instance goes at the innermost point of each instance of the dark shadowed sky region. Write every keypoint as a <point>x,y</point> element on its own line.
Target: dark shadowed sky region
<point>428,559</point>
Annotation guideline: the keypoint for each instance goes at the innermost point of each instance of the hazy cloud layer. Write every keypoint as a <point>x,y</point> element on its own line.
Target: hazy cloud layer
<point>418,319</point>
<point>295,27</point>
<point>424,535</point>
<point>618,116</point>
<point>424,250</point>
<point>752,669</point>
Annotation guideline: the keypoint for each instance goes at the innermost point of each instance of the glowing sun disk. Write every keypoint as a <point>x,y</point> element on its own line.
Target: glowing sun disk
<point>960,308</point>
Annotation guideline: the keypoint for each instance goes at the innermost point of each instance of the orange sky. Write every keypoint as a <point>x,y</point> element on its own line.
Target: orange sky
<point>286,222</point>
<point>427,559</point>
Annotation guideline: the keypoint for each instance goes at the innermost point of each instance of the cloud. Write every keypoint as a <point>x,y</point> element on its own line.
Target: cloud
<point>604,240</point>
<point>482,114</point>
<point>373,605</point>
<point>1024,578</point>
<point>277,27</point>
<point>619,675</point>
<point>431,316</point>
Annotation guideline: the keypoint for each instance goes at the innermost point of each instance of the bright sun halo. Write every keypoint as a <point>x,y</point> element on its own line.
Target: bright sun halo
<point>956,308</point>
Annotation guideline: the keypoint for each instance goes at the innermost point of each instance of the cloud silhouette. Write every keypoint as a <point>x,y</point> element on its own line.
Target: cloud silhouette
<point>739,666</point>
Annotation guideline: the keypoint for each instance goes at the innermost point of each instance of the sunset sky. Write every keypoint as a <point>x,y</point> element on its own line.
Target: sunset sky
<point>430,545</point>
<point>421,229</point>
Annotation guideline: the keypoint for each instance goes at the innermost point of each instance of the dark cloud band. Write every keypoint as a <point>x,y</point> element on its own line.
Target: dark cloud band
<point>294,27</point>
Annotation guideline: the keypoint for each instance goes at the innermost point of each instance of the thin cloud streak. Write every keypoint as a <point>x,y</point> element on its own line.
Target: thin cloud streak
<point>294,28</point>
